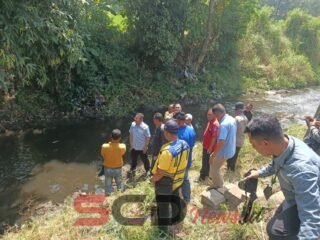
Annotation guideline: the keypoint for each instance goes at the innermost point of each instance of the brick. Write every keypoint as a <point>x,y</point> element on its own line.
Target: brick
<point>235,196</point>
<point>212,198</point>
<point>226,188</point>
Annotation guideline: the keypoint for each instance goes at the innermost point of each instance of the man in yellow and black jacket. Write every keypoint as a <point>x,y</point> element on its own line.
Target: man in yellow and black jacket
<point>168,175</point>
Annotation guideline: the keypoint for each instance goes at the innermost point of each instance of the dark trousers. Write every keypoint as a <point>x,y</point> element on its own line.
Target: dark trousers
<point>205,168</point>
<point>134,159</point>
<point>284,224</point>
<point>166,204</point>
<point>231,163</point>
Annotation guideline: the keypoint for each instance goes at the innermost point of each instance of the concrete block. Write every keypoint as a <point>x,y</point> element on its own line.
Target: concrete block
<point>235,196</point>
<point>212,198</point>
<point>226,187</point>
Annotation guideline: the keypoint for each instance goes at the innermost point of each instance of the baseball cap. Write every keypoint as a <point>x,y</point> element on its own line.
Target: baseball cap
<point>171,126</point>
<point>189,116</point>
<point>179,116</point>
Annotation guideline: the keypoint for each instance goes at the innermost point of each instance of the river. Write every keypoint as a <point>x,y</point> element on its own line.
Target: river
<point>50,164</point>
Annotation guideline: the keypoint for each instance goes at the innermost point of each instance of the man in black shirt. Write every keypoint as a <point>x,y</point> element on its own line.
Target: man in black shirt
<point>158,138</point>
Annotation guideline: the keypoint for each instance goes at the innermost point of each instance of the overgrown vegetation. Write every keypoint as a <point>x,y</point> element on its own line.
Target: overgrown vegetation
<point>59,224</point>
<point>109,58</point>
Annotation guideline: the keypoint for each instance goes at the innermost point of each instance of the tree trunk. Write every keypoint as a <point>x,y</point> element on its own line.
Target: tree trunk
<point>208,40</point>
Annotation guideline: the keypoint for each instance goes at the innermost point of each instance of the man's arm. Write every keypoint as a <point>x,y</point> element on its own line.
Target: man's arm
<point>158,175</point>
<point>213,140</point>
<point>305,183</point>
<point>315,133</point>
<point>164,162</point>
<point>265,171</point>
<point>219,146</point>
<point>145,148</point>
<point>131,140</point>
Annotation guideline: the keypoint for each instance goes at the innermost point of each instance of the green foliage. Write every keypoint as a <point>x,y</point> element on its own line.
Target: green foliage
<point>303,31</point>
<point>135,53</point>
<point>282,7</point>
<point>269,58</point>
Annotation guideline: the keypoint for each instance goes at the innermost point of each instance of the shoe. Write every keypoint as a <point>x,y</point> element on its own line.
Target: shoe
<point>211,187</point>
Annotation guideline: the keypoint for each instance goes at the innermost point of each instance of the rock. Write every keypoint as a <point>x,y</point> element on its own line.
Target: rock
<point>235,196</point>
<point>276,199</point>
<point>54,188</point>
<point>212,198</point>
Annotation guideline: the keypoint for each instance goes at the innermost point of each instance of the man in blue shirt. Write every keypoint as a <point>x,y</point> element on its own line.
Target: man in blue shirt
<point>298,170</point>
<point>139,141</point>
<point>226,144</point>
<point>187,134</point>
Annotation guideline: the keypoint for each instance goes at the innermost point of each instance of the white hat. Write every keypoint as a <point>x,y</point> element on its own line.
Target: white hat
<point>188,116</point>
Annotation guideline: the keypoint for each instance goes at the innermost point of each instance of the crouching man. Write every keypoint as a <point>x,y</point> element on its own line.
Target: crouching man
<point>297,168</point>
<point>168,175</point>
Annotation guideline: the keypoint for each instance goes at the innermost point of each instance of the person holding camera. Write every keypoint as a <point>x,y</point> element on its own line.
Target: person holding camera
<point>297,168</point>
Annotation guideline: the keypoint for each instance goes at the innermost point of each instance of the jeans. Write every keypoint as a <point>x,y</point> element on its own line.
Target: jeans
<point>285,224</point>
<point>165,203</point>
<point>111,174</point>
<point>144,158</point>
<point>186,188</point>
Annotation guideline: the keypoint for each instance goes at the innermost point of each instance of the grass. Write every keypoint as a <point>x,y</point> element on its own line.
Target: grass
<point>59,224</point>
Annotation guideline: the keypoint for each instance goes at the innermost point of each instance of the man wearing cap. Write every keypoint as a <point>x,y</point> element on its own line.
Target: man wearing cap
<point>168,175</point>
<point>187,134</point>
<point>241,121</point>
<point>139,141</point>
<point>226,144</point>
<point>189,120</point>
<point>112,154</point>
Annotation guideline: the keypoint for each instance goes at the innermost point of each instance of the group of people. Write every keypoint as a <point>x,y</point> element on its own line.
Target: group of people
<point>295,164</point>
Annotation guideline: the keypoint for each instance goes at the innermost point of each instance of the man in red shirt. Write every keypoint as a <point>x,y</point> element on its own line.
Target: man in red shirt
<point>209,142</point>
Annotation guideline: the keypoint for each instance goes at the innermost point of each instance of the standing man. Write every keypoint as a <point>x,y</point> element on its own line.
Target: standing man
<point>187,134</point>
<point>158,138</point>
<point>112,154</point>
<point>313,137</point>
<point>169,114</point>
<point>209,142</point>
<point>298,170</point>
<point>189,118</point>
<point>226,144</point>
<point>177,108</point>
<point>241,121</point>
<point>139,141</point>
<point>168,174</point>
<point>248,111</point>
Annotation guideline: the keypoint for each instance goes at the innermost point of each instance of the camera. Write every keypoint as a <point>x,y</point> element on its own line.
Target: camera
<point>248,185</point>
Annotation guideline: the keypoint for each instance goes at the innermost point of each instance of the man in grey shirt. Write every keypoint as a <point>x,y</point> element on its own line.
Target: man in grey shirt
<point>298,170</point>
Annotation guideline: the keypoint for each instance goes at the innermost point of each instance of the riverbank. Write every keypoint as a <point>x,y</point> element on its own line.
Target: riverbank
<point>59,223</point>
<point>30,115</point>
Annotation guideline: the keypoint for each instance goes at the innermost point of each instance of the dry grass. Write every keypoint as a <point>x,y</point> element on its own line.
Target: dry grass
<point>59,224</point>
